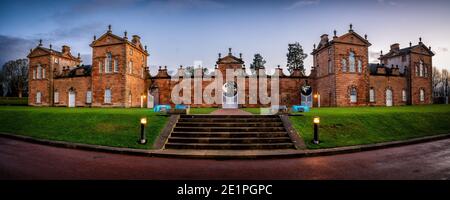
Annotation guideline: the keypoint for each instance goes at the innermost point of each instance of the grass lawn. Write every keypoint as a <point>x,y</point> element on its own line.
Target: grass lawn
<point>117,127</point>
<point>195,111</point>
<point>14,101</point>
<point>366,125</point>
<point>255,111</point>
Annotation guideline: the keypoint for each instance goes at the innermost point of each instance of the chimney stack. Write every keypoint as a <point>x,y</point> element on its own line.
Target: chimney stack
<point>395,47</point>
<point>65,49</point>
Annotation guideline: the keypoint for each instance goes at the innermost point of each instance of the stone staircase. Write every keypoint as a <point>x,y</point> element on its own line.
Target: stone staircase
<point>229,132</point>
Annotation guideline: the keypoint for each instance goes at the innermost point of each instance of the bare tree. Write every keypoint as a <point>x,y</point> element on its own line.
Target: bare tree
<point>436,78</point>
<point>15,77</point>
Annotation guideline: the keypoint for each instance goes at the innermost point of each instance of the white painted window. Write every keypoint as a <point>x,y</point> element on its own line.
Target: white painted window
<point>353,95</point>
<point>100,67</point>
<point>38,97</point>
<point>422,95</point>
<point>39,72</point>
<point>372,95</point>
<point>34,73</point>
<point>89,96</point>
<point>359,66</point>
<point>56,97</point>
<point>109,66</point>
<point>351,62</point>
<point>421,68</point>
<point>403,95</point>
<point>130,67</point>
<point>43,72</point>
<point>344,65</point>
<point>116,65</point>
<point>108,96</point>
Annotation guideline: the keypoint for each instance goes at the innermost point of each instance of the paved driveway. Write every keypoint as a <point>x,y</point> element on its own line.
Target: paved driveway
<point>22,160</point>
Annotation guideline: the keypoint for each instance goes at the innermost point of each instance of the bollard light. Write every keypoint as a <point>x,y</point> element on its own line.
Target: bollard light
<point>316,121</point>
<point>143,140</point>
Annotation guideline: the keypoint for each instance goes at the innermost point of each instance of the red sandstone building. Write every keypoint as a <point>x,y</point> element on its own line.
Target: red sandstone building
<point>341,76</point>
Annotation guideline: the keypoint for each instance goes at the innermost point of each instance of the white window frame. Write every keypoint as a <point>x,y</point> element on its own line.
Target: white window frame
<point>353,95</point>
<point>39,72</point>
<point>351,62</point>
<point>38,97</point>
<point>372,95</point>
<point>359,65</point>
<point>130,67</point>
<point>108,65</point>
<point>100,67</point>
<point>108,96</point>
<point>88,96</point>
<point>344,65</point>
<point>56,97</point>
<point>421,95</point>
<point>43,73</point>
<point>116,65</point>
<point>34,73</point>
<point>421,69</point>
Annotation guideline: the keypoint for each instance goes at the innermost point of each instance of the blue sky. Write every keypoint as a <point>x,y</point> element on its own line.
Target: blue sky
<point>179,32</point>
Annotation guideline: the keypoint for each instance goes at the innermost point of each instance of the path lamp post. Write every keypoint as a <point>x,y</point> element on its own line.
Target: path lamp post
<point>143,140</point>
<point>316,121</point>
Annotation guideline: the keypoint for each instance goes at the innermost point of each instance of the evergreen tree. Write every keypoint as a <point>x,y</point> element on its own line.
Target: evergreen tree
<point>258,63</point>
<point>295,57</point>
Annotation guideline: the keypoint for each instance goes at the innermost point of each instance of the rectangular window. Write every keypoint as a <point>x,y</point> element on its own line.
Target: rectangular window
<point>109,64</point>
<point>142,72</point>
<point>130,67</point>
<point>422,95</point>
<point>39,72</point>
<point>116,65</point>
<point>56,97</point>
<point>403,58</point>
<point>359,66</point>
<point>107,96</point>
<point>38,97</point>
<point>372,95</point>
<point>88,97</point>
<point>131,52</point>
<point>43,72</point>
<point>34,73</point>
<point>100,68</point>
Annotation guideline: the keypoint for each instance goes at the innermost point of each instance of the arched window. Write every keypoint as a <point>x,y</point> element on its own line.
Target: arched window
<point>39,71</point>
<point>421,68</point>
<point>344,65</point>
<point>404,95</point>
<point>108,95</point>
<point>351,62</point>
<point>422,95</point>
<point>359,65</point>
<point>372,95</point>
<point>353,95</point>
<point>108,65</point>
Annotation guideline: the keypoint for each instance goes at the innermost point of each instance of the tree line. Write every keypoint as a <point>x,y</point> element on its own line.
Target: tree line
<point>440,85</point>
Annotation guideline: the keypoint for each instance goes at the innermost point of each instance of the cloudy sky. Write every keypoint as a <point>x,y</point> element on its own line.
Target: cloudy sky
<point>180,32</point>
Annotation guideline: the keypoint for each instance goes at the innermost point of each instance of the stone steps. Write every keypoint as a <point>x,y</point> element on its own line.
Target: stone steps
<point>229,132</point>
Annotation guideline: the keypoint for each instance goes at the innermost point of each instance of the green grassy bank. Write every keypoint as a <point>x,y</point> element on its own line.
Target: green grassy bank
<point>366,125</point>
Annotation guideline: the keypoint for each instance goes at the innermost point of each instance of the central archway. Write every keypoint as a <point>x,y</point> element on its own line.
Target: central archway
<point>229,95</point>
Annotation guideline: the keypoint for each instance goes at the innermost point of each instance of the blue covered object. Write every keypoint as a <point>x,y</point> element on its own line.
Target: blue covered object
<point>300,108</point>
<point>181,107</point>
<point>158,108</point>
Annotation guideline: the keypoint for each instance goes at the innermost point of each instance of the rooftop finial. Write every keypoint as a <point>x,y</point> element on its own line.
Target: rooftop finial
<point>160,67</point>
<point>95,37</point>
<point>420,39</point>
<point>220,55</point>
<point>109,28</point>
<point>410,43</point>
<point>79,56</point>
<point>50,46</point>
<point>381,52</point>
<point>279,67</point>
<point>365,36</point>
<point>40,42</point>
<point>165,66</point>
<point>125,33</point>
<point>240,55</point>
<point>335,32</point>
<point>229,51</point>
<point>314,45</point>
<point>145,47</point>
<point>351,27</point>
<point>429,48</point>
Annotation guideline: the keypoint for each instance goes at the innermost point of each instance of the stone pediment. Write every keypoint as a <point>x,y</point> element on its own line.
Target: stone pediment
<point>230,59</point>
<point>352,38</point>
<point>38,52</point>
<point>106,39</point>
<point>422,49</point>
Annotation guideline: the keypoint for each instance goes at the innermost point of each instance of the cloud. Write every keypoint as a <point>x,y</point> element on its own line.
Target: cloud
<point>12,48</point>
<point>388,3</point>
<point>442,49</point>
<point>195,4</point>
<point>373,56</point>
<point>302,3</point>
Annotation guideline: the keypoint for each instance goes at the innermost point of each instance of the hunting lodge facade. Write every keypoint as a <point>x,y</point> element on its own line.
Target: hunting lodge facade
<point>340,76</point>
